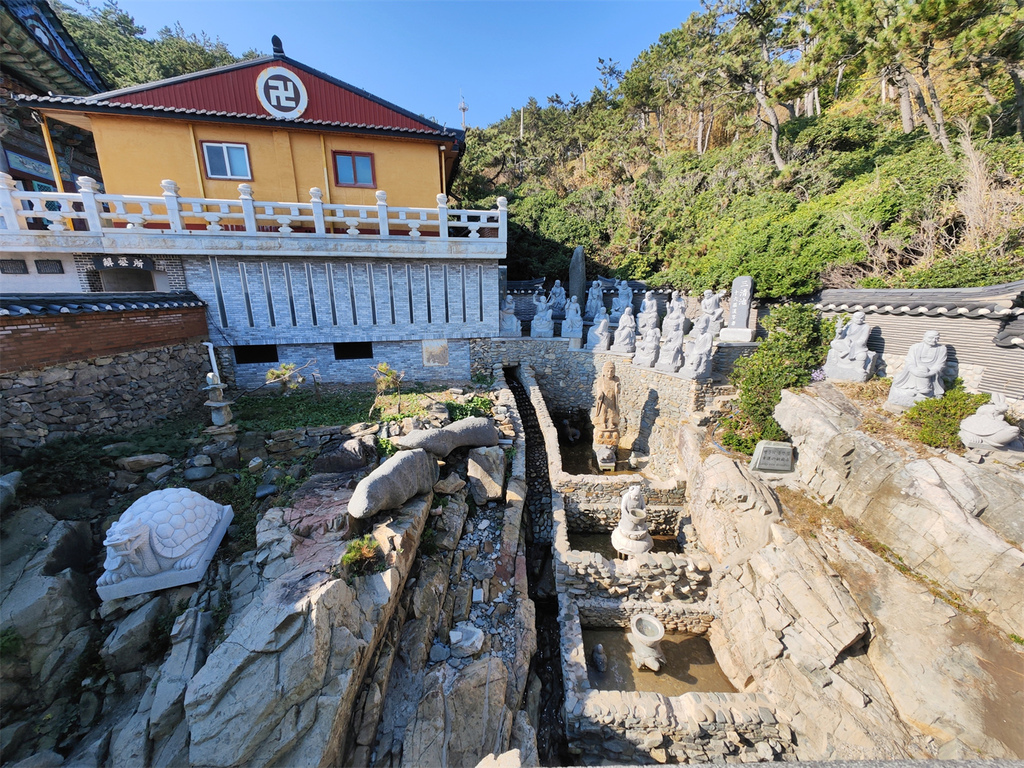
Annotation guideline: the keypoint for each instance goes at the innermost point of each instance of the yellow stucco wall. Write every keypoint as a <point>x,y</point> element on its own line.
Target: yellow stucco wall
<point>136,154</point>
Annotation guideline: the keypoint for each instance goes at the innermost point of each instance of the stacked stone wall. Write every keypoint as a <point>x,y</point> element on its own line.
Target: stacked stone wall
<point>102,395</point>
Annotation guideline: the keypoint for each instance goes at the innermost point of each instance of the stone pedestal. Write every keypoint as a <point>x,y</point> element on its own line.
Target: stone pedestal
<point>737,334</point>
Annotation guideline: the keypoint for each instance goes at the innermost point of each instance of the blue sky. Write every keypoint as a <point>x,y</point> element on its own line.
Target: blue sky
<point>419,54</point>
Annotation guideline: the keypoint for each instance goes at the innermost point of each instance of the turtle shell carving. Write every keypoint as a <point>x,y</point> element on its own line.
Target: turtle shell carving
<point>163,530</point>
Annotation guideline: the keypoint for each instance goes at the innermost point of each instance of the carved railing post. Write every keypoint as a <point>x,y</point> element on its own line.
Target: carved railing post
<point>172,204</point>
<point>442,216</point>
<point>502,220</point>
<point>87,188</point>
<point>8,209</point>
<point>248,209</point>
<point>382,212</point>
<point>316,199</point>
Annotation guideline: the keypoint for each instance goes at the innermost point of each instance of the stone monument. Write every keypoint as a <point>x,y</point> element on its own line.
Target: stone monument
<point>848,356</point>
<point>988,430</point>
<point>165,539</point>
<point>595,300</point>
<point>647,350</point>
<point>599,338</point>
<point>772,456</point>
<point>631,536</point>
<point>739,311</point>
<point>220,409</point>
<point>605,417</point>
<point>698,358</point>
<point>646,641</point>
<point>508,323</point>
<point>921,377</point>
<point>578,276</point>
<point>625,334</point>
<point>572,326</point>
<point>556,298</point>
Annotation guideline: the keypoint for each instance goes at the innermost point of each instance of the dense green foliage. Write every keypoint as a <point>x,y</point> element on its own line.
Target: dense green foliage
<point>936,421</point>
<point>115,45</point>
<point>302,408</point>
<point>795,347</point>
<point>478,405</point>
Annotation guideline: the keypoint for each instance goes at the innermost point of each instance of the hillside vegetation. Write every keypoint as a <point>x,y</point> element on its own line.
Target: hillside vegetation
<point>855,144</point>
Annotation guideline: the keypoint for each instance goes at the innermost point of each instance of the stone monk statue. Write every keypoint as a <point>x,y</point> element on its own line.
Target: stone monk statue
<point>595,300</point>
<point>848,356</point>
<point>606,400</point>
<point>921,377</point>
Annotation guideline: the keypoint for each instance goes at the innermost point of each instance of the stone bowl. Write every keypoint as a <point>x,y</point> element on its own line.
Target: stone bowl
<point>647,628</point>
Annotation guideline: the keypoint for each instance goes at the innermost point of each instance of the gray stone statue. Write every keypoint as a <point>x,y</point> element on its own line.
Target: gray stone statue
<point>622,300</point>
<point>647,350</point>
<point>988,430</point>
<point>508,323</point>
<point>848,357</point>
<point>543,324</point>
<point>648,317</point>
<point>678,301</point>
<point>625,334</point>
<point>631,536</point>
<point>556,298</point>
<point>921,377</point>
<point>595,300</point>
<point>674,321</point>
<point>572,326</point>
<point>711,305</point>
<point>698,358</point>
<point>605,417</point>
<point>599,338</point>
<point>670,358</point>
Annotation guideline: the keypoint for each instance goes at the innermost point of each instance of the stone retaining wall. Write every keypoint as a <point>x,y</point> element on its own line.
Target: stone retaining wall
<point>676,616</point>
<point>101,395</point>
<point>651,404</point>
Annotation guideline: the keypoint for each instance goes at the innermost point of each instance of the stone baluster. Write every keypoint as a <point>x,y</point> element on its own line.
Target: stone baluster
<point>316,199</point>
<point>382,212</point>
<point>442,216</point>
<point>248,208</point>
<point>173,205</point>
<point>87,188</point>
<point>502,219</point>
<point>8,209</point>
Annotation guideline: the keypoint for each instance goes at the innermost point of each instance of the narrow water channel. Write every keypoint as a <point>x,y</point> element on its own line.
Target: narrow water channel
<point>546,664</point>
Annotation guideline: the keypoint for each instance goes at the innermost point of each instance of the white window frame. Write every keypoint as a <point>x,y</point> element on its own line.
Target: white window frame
<point>223,146</point>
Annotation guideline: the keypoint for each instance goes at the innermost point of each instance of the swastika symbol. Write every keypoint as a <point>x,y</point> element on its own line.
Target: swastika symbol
<point>281,92</point>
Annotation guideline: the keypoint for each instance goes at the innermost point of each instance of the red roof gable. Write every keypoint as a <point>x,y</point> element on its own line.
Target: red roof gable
<point>232,89</point>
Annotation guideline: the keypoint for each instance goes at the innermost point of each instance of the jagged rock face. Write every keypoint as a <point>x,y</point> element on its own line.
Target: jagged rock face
<point>931,512</point>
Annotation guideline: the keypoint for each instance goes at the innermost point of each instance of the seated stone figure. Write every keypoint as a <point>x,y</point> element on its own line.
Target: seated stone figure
<point>599,339</point>
<point>595,300</point>
<point>674,320</point>
<point>508,323</point>
<point>921,377</point>
<point>623,300</point>
<point>711,305</point>
<point>543,325</point>
<point>572,326</point>
<point>988,430</point>
<point>631,536</point>
<point>678,301</point>
<point>625,334</point>
<point>698,359</point>
<point>647,350</point>
<point>648,317</point>
<point>670,357</point>
<point>848,357</point>
<point>556,298</point>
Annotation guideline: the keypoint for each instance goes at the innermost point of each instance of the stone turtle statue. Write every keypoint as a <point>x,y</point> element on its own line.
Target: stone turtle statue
<point>164,530</point>
<point>988,430</point>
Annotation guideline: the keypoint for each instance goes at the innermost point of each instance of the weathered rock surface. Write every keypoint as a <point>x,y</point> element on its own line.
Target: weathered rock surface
<point>931,512</point>
<point>143,462</point>
<point>472,432</point>
<point>353,453</point>
<point>486,470</point>
<point>404,475</point>
<point>126,648</point>
<point>8,489</point>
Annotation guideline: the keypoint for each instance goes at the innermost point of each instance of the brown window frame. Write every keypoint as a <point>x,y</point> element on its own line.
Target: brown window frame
<point>206,166</point>
<point>373,168</point>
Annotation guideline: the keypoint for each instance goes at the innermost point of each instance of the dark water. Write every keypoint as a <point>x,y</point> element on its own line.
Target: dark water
<point>601,543</point>
<point>690,665</point>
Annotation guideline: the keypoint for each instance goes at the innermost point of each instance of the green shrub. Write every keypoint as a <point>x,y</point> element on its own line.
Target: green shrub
<point>303,408</point>
<point>794,348</point>
<point>936,421</point>
<point>385,447</point>
<point>477,406</point>
<point>363,556</point>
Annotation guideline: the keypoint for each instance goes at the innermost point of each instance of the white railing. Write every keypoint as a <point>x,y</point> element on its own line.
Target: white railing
<point>89,210</point>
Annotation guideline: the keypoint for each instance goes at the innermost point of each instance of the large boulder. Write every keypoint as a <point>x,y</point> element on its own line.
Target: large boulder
<point>486,470</point>
<point>474,432</point>
<point>404,475</point>
<point>354,453</point>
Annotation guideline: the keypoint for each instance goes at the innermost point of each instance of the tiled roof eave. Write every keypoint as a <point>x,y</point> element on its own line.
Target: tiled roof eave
<point>43,305</point>
<point>987,311</point>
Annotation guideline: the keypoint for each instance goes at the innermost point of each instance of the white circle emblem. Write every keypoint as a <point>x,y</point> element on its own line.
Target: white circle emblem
<point>281,92</point>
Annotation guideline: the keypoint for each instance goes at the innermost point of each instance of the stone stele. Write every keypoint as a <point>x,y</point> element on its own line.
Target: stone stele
<point>739,311</point>
<point>772,456</point>
<point>165,539</point>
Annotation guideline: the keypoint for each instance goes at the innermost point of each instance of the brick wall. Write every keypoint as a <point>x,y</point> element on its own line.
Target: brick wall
<point>37,341</point>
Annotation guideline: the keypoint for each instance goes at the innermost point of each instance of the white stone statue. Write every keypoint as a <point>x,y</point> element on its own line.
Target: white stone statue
<point>572,326</point>
<point>599,338</point>
<point>647,350</point>
<point>556,298</point>
<point>508,323</point>
<point>631,536</point>
<point>648,317</point>
<point>921,377</point>
<point>848,357</point>
<point>543,324</point>
<point>700,328</point>
<point>670,357</point>
<point>678,301</point>
<point>698,358</point>
<point>674,321</point>
<point>646,641</point>
<point>622,300</point>
<point>711,305</point>
<point>988,430</point>
<point>165,539</point>
<point>595,300</point>
<point>540,302</point>
<point>625,334</point>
